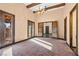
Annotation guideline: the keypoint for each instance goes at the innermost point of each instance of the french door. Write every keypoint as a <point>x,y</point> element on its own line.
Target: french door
<point>31,29</point>
<point>65,28</point>
<point>55,29</point>
<point>6,28</point>
<point>40,29</point>
<point>48,29</point>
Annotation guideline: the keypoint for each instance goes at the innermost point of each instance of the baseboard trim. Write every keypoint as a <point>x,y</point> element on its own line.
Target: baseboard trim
<point>61,38</point>
<point>33,37</point>
<point>38,36</point>
<point>51,37</point>
<point>16,42</point>
<point>71,49</point>
<point>67,44</point>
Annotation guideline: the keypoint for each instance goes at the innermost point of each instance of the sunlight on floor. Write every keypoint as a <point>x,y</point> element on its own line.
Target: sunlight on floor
<point>7,51</point>
<point>42,43</point>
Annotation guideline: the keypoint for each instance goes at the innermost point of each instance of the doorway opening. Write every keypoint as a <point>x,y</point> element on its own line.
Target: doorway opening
<point>48,29</point>
<point>65,28</point>
<point>31,29</point>
<point>7,28</point>
<point>74,29</point>
<point>40,29</point>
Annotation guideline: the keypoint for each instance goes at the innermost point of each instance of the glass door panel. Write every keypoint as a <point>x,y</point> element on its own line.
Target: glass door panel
<point>33,30</point>
<point>40,29</point>
<point>6,28</point>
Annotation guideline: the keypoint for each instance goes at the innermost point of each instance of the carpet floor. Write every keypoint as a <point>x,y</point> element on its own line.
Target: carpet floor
<point>38,47</point>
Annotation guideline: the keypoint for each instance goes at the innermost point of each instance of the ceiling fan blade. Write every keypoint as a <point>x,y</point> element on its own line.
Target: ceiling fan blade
<point>37,11</point>
<point>32,5</point>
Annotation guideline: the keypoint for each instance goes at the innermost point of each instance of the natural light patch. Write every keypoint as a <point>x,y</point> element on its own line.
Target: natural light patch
<point>42,44</point>
<point>7,52</point>
<point>7,25</point>
<point>43,41</point>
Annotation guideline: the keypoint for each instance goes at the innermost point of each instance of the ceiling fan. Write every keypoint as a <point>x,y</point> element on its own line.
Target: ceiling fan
<point>45,7</point>
<point>48,8</point>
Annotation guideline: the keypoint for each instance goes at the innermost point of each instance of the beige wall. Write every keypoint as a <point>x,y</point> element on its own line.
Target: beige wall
<point>67,9</point>
<point>53,15</point>
<point>22,14</point>
<point>59,15</point>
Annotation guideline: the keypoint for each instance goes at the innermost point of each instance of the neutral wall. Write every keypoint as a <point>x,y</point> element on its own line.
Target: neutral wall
<point>67,9</point>
<point>22,14</point>
<point>59,15</point>
<point>53,15</point>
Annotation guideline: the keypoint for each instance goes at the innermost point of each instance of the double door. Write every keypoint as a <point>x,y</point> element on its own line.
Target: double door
<point>31,29</point>
<point>48,29</point>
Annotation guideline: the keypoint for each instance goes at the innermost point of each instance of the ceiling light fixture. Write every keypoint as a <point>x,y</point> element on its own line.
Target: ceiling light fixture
<point>41,11</point>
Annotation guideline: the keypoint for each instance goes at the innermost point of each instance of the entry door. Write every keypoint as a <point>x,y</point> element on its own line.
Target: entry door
<point>55,29</point>
<point>6,28</point>
<point>65,28</point>
<point>1,31</point>
<point>47,31</point>
<point>40,29</point>
<point>31,29</point>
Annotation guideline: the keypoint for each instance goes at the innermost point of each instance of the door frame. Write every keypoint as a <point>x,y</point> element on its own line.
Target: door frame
<point>52,28</point>
<point>57,29</point>
<point>65,28</point>
<point>13,31</point>
<point>31,28</point>
<point>47,30</point>
<point>75,7</point>
<point>42,28</point>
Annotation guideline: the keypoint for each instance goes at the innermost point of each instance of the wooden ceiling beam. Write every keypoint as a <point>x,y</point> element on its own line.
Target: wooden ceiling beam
<point>32,5</point>
<point>52,7</point>
<point>55,6</point>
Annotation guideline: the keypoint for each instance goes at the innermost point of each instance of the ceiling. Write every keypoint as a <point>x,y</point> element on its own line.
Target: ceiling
<point>41,6</point>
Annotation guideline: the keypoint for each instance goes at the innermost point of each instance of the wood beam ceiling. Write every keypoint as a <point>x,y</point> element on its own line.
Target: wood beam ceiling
<point>51,7</point>
<point>32,5</point>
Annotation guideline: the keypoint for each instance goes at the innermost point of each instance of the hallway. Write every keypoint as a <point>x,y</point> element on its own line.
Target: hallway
<point>38,47</point>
